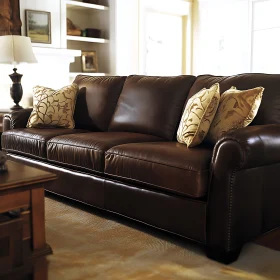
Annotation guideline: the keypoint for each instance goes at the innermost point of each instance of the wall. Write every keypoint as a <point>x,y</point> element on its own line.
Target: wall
<point>221,37</point>
<point>126,35</point>
<point>52,6</point>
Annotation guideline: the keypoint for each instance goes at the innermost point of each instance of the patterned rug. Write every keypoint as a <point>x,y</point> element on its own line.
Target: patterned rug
<point>90,244</point>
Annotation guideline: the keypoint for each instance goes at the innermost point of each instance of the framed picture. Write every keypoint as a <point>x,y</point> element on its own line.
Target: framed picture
<point>89,62</point>
<point>38,26</point>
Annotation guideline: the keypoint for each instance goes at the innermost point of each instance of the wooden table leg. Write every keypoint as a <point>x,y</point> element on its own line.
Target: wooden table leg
<point>40,269</point>
<point>38,222</point>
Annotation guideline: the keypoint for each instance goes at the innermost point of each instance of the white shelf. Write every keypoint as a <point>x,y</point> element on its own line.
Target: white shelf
<point>74,74</point>
<point>56,52</point>
<point>86,39</point>
<point>76,5</point>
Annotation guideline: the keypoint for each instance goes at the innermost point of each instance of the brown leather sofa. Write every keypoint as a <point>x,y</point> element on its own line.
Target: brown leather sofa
<point>123,157</point>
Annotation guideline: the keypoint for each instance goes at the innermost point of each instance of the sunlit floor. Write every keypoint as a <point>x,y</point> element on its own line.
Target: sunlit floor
<point>92,244</point>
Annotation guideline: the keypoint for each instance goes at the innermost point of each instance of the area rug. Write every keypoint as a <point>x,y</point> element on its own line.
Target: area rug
<point>90,244</point>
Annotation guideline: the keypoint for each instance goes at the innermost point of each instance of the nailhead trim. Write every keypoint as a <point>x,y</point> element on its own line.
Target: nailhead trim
<point>230,208</point>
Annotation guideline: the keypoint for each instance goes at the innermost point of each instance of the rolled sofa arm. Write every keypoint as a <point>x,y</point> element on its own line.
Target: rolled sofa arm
<point>252,146</point>
<point>16,119</point>
<point>244,164</point>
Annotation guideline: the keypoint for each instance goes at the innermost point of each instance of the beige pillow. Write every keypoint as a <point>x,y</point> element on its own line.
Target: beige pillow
<point>53,108</point>
<point>237,109</point>
<point>198,116</point>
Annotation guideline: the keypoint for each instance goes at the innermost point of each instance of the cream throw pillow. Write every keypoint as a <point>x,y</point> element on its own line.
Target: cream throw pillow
<point>53,108</point>
<point>237,109</point>
<point>198,116</point>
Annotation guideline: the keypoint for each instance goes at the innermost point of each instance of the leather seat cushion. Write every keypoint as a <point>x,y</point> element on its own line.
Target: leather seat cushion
<point>169,166</point>
<point>32,141</point>
<point>87,151</point>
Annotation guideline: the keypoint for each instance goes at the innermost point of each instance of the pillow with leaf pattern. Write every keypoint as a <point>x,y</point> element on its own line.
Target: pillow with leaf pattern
<point>198,116</point>
<point>237,109</point>
<point>53,108</point>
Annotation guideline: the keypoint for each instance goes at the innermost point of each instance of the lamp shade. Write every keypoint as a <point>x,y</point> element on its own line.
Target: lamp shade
<point>15,49</point>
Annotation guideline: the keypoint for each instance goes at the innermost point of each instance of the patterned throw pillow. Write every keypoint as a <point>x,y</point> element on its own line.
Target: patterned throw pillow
<point>198,116</point>
<point>237,109</point>
<point>53,108</point>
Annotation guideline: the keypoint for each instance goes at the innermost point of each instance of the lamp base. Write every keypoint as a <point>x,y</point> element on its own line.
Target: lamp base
<point>16,89</point>
<point>16,107</point>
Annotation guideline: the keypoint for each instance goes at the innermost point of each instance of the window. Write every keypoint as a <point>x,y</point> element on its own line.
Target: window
<point>265,36</point>
<point>162,42</point>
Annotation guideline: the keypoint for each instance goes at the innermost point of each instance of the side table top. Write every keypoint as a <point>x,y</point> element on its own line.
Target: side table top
<point>19,175</point>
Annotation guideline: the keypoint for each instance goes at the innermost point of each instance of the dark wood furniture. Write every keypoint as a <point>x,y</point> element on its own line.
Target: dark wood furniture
<point>10,22</point>
<point>22,200</point>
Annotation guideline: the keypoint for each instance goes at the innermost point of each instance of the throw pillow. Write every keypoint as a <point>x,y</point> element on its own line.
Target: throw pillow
<point>53,108</point>
<point>237,109</point>
<point>198,116</point>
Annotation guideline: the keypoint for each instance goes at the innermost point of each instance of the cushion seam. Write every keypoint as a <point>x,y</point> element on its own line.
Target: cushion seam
<point>157,186</point>
<point>21,152</point>
<point>69,164</point>
<point>51,141</point>
<point>76,146</point>
<point>179,167</point>
<point>15,135</point>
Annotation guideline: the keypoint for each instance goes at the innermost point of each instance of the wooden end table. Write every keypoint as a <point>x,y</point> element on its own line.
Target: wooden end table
<point>22,196</point>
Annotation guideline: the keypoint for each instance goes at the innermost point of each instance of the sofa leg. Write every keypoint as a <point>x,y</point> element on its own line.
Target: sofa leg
<point>222,256</point>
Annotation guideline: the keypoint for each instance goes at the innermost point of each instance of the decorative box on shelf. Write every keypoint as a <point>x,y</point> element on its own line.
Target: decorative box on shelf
<point>93,33</point>
<point>91,1</point>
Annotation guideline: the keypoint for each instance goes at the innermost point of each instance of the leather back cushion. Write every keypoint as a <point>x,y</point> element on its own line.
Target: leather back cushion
<point>151,105</point>
<point>269,111</point>
<point>96,101</point>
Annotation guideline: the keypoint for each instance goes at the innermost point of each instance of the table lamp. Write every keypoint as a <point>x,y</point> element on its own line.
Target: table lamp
<point>15,49</point>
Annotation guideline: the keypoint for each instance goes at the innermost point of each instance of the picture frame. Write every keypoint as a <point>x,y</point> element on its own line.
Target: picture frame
<point>38,26</point>
<point>89,61</point>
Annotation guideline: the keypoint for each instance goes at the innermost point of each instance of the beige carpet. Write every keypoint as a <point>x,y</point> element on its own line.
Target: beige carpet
<point>90,244</point>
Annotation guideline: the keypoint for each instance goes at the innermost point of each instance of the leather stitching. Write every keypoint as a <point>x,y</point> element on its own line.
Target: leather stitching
<point>76,146</point>
<point>156,186</point>
<point>11,134</point>
<point>73,165</point>
<point>25,153</point>
<point>179,167</point>
<point>232,179</point>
